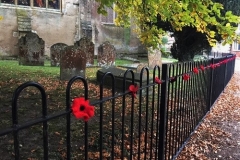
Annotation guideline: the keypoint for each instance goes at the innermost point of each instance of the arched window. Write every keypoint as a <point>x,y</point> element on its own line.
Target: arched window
<point>111,15</point>
<point>50,4</point>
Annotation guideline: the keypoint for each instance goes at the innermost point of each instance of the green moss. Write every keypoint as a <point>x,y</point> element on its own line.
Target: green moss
<point>22,12</point>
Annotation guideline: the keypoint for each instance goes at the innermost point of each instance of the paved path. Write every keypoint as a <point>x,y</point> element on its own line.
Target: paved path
<point>237,65</point>
<point>218,137</point>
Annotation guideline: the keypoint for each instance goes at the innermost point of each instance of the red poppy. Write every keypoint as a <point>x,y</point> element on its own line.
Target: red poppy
<point>82,109</point>
<point>212,66</point>
<point>157,80</point>
<point>133,89</point>
<point>186,77</point>
<point>202,67</point>
<point>195,70</point>
<point>217,64</point>
<point>173,79</point>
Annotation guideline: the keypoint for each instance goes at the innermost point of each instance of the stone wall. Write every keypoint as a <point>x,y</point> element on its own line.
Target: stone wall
<point>52,26</point>
<point>76,20</point>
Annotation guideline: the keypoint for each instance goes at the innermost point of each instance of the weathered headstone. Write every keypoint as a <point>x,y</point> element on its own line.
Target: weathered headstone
<point>106,55</point>
<point>31,50</point>
<point>55,53</point>
<point>140,67</point>
<point>88,47</point>
<point>154,58</point>
<point>72,63</point>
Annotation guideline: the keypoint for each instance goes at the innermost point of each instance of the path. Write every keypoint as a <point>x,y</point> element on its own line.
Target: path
<point>218,137</point>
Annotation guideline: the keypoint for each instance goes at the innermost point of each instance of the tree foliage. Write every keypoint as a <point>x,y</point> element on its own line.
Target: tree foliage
<point>205,19</point>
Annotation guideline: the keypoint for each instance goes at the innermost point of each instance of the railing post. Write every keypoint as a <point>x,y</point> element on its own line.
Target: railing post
<point>163,112</point>
<point>211,86</point>
<point>225,74</point>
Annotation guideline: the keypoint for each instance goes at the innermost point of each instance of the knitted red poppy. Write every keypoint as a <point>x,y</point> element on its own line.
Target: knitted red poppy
<point>195,70</point>
<point>157,80</point>
<point>225,61</point>
<point>133,89</point>
<point>212,66</point>
<point>186,77</point>
<point>202,67</point>
<point>173,79</point>
<point>81,109</point>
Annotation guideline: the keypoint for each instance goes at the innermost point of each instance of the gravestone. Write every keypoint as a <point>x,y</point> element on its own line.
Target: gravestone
<point>119,75</point>
<point>154,58</point>
<point>106,55</point>
<point>55,53</point>
<point>88,47</point>
<point>72,63</point>
<point>140,67</point>
<point>31,50</point>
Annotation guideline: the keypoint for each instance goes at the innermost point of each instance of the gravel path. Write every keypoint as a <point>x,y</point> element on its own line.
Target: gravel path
<point>218,137</point>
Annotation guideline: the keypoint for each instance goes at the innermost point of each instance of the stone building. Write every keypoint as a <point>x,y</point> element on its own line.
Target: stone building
<point>62,21</point>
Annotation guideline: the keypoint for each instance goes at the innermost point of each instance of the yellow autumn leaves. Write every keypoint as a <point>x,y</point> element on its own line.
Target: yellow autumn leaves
<point>204,15</point>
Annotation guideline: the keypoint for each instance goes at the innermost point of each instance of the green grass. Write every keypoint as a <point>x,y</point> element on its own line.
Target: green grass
<point>14,70</point>
<point>169,60</point>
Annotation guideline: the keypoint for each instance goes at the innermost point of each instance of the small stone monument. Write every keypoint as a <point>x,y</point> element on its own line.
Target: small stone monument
<point>72,63</point>
<point>88,47</point>
<point>118,73</point>
<point>106,55</point>
<point>141,66</point>
<point>31,50</point>
<point>154,58</point>
<point>55,53</point>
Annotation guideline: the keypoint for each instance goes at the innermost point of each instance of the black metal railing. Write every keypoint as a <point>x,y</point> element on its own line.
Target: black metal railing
<point>154,125</point>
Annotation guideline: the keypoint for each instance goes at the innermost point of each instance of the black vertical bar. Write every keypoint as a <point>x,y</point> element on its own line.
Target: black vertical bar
<point>15,117</point>
<point>211,86</point>
<point>68,116</point>
<point>195,98</point>
<point>194,86</point>
<point>171,108</point>
<point>101,123</point>
<point>132,111</point>
<point>179,107</point>
<point>15,123</point>
<point>146,124</point>
<point>113,117</point>
<point>101,114</point>
<point>132,114</point>
<point>158,118</point>
<point>140,117</point>
<point>175,128</point>
<point>184,103</point>
<point>188,105</point>
<point>153,111</point>
<point>162,123</point>
<point>123,119</point>
<point>45,123</point>
<point>167,137</point>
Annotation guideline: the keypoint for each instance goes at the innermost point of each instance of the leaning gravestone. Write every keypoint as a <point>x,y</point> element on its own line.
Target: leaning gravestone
<point>31,50</point>
<point>106,55</point>
<point>88,47</point>
<point>72,63</point>
<point>55,53</point>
